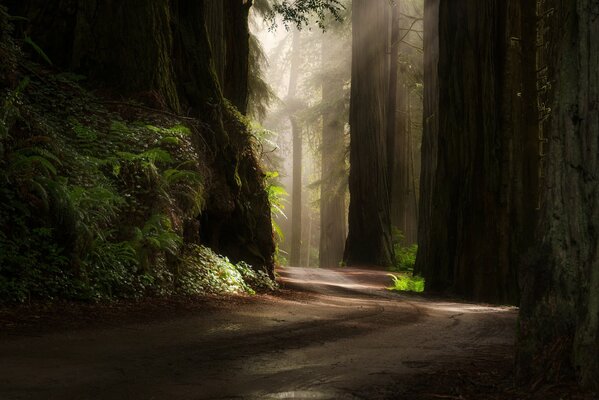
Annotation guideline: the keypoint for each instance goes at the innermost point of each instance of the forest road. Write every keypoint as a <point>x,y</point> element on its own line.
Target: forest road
<point>332,334</point>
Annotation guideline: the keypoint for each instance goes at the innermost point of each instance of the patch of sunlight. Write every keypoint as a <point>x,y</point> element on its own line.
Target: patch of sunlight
<point>300,394</point>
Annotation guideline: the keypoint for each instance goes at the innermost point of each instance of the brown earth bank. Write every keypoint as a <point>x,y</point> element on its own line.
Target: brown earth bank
<point>328,334</point>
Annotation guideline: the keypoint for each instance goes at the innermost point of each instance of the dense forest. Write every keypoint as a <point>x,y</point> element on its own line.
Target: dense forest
<point>163,148</point>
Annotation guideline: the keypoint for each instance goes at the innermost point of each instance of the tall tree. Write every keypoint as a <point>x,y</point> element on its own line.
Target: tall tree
<point>396,128</point>
<point>369,239</point>
<point>466,242</point>
<point>296,132</point>
<point>559,314</point>
<point>399,140</point>
<point>333,186</point>
<point>429,134</point>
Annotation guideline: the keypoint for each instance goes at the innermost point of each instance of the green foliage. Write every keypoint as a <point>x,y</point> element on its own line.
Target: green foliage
<point>276,196</point>
<point>94,202</point>
<point>203,271</point>
<point>407,283</point>
<point>405,256</point>
<point>299,12</point>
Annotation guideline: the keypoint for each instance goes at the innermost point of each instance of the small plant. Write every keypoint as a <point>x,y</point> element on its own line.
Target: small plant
<point>407,283</point>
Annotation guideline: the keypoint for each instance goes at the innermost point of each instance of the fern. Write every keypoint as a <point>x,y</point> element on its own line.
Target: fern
<point>38,49</point>
<point>154,155</point>
<point>31,161</point>
<point>157,234</point>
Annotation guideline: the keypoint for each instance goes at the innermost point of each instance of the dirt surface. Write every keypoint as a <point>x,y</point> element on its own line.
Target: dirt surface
<point>330,334</point>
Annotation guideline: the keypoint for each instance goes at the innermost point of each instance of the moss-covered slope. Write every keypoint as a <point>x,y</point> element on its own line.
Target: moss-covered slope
<point>105,197</point>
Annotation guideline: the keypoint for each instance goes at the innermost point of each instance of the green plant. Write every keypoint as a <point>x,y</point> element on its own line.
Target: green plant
<point>276,198</point>
<point>405,256</point>
<point>203,271</point>
<point>407,283</point>
<point>157,235</point>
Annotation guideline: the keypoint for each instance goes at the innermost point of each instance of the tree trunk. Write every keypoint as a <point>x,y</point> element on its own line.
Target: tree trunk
<point>215,24</point>
<point>467,244</point>
<point>332,189</point>
<point>392,131</point>
<point>296,132</point>
<point>369,239</point>
<point>237,35</point>
<point>559,315</point>
<point>398,151</point>
<point>430,133</point>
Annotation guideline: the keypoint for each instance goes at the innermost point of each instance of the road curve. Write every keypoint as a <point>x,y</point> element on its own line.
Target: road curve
<point>333,334</point>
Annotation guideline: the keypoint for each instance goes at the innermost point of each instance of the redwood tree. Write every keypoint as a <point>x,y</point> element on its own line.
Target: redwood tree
<point>333,178</point>
<point>369,238</point>
<point>465,243</point>
<point>559,314</point>
<point>296,133</point>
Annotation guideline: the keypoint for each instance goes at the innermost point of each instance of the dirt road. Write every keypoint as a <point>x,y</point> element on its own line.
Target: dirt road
<point>335,334</point>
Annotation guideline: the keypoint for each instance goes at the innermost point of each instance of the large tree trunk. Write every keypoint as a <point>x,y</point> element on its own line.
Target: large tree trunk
<point>467,244</point>
<point>296,132</point>
<point>559,315</point>
<point>237,36</point>
<point>229,36</point>
<point>332,189</point>
<point>106,41</point>
<point>369,239</point>
<point>159,52</point>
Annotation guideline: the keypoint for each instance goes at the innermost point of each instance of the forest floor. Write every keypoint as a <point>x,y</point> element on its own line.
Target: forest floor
<point>328,334</point>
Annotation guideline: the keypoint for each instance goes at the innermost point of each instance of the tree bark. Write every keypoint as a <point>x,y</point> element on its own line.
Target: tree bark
<point>237,35</point>
<point>296,132</point>
<point>429,138</point>
<point>467,245</point>
<point>332,189</point>
<point>369,239</point>
<point>559,315</point>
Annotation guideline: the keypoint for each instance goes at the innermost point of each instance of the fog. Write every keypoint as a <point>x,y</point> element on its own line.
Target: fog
<point>322,59</point>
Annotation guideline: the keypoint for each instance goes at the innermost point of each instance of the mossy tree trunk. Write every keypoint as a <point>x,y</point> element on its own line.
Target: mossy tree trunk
<point>369,240</point>
<point>229,36</point>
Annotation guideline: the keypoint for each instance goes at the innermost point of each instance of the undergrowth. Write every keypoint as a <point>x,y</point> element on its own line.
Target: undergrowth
<point>405,255</point>
<point>407,283</point>
<point>405,259</point>
<point>95,201</point>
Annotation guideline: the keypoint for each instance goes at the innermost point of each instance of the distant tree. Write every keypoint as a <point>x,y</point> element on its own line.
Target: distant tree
<point>296,132</point>
<point>369,240</point>
<point>333,179</point>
